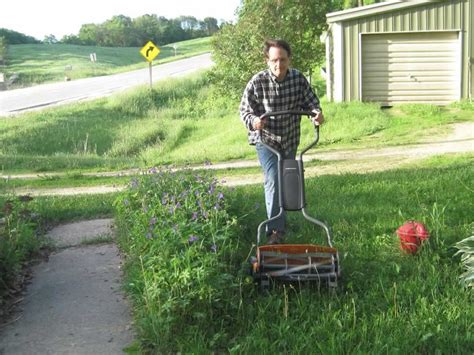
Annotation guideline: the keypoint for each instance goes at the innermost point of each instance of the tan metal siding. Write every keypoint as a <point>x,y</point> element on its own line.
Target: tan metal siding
<point>412,67</point>
<point>468,87</point>
<point>442,16</point>
<point>351,61</point>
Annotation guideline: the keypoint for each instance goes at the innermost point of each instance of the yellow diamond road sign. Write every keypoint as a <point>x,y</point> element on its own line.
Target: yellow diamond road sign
<point>150,51</point>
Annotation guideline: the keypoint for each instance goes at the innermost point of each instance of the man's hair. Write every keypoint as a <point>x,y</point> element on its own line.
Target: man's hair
<point>279,43</point>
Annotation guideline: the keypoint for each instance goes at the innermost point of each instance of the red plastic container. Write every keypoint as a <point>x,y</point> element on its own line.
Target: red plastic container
<point>412,234</point>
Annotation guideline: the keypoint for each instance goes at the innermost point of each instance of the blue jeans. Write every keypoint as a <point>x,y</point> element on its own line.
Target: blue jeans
<point>269,164</point>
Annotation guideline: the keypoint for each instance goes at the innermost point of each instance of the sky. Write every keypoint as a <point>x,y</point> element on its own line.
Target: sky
<point>38,18</point>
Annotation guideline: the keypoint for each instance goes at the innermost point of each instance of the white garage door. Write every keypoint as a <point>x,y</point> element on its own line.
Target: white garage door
<point>411,68</point>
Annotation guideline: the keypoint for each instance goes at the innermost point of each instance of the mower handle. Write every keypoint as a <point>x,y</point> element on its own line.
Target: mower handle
<point>278,154</point>
<point>294,112</point>
<point>287,112</point>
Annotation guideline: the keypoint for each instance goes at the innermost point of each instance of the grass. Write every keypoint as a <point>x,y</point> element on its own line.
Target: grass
<point>192,297</point>
<point>104,239</point>
<point>42,63</point>
<point>57,181</point>
<point>383,292</point>
<point>60,209</point>
<point>186,121</point>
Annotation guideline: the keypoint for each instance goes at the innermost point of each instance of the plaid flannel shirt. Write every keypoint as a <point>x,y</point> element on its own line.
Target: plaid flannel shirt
<point>265,94</point>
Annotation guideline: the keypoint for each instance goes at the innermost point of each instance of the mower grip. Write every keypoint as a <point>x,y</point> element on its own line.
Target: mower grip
<point>294,112</point>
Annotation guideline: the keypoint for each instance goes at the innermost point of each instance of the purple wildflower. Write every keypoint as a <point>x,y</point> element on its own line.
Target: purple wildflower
<point>153,221</point>
<point>153,170</point>
<point>214,248</point>
<point>194,216</point>
<point>192,239</point>
<point>212,187</point>
<point>178,205</point>
<point>149,235</point>
<point>134,183</point>
<point>126,202</point>
<point>220,196</point>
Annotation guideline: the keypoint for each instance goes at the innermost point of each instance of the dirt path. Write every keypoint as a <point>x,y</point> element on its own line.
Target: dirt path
<point>459,140</point>
<point>74,304</point>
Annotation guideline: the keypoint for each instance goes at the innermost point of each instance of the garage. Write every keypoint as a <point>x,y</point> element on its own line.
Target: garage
<point>398,52</point>
<point>413,67</point>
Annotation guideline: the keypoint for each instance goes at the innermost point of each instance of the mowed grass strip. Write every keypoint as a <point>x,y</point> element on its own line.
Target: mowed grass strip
<point>42,63</point>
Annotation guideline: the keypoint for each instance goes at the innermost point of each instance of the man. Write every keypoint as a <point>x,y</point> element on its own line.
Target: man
<point>278,88</point>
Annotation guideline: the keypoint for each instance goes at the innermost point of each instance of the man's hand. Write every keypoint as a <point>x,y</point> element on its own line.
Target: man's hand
<point>258,123</point>
<point>318,118</point>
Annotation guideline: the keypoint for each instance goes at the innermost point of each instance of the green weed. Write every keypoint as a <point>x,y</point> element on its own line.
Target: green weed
<point>179,241</point>
<point>18,239</point>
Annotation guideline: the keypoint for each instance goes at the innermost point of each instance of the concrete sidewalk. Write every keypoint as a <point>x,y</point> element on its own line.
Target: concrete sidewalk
<point>75,303</point>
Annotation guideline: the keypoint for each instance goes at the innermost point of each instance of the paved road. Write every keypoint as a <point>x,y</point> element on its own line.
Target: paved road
<point>36,97</point>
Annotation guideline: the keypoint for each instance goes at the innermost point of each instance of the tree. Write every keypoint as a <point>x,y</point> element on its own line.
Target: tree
<point>238,48</point>
<point>118,31</point>
<point>71,39</point>
<point>188,23</point>
<point>146,28</point>
<point>210,25</point>
<point>13,37</point>
<point>172,32</point>
<point>89,33</point>
<point>355,3</point>
<point>50,39</point>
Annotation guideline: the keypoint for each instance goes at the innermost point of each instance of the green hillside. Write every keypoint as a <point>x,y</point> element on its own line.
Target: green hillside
<point>42,63</point>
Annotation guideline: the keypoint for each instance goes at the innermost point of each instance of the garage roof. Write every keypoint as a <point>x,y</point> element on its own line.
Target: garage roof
<point>374,9</point>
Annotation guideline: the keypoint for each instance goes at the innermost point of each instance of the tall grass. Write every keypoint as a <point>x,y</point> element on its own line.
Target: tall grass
<point>186,121</point>
<point>387,301</point>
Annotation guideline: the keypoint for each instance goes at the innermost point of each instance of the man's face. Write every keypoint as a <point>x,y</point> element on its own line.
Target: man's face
<point>278,62</point>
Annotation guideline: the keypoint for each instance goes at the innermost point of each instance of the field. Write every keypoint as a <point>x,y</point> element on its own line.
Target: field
<point>42,63</point>
<point>187,239</point>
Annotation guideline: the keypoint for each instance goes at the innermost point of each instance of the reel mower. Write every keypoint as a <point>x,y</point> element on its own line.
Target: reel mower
<point>294,262</point>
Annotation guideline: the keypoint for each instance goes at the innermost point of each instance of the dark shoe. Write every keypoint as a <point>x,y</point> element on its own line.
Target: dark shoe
<point>275,238</point>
